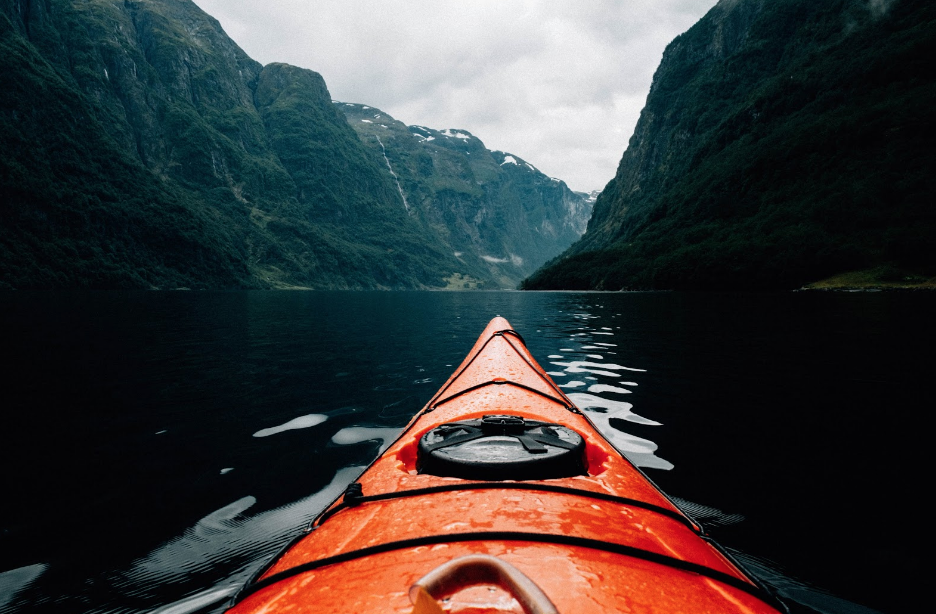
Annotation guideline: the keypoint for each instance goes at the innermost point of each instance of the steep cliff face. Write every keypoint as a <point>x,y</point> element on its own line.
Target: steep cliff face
<point>78,205</point>
<point>670,123</point>
<point>142,148</point>
<point>781,142</point>
<point>495,212</point>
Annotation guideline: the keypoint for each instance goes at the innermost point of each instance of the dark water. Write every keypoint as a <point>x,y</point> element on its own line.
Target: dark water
<point>146,458</point>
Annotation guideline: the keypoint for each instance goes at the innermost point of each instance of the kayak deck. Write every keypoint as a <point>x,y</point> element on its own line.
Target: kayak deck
<point>606,540</point>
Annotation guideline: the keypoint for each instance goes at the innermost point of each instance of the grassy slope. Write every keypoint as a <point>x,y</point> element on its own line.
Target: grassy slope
<point>879,278</point>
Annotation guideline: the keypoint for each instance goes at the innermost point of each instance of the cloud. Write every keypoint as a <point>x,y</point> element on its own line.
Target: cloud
<point>558,83</point>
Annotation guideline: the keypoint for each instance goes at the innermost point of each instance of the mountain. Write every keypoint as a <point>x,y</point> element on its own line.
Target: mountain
<point>782,142</point>
<point>495,212</point>
<point>140,147</point>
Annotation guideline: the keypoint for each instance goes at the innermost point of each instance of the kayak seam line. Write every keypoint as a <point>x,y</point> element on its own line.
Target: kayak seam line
<point>459,373</point>
<point>543,377</point>
<point>555,488</point>
<point>428,408</point>
<point>436,404</point>
<point>564,540</point>
<point>562,400</point>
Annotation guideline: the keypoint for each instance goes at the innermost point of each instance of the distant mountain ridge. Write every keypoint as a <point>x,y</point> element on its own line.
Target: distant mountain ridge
<point>782,142</point>
<point>140,147</point>
<point>495,211</point>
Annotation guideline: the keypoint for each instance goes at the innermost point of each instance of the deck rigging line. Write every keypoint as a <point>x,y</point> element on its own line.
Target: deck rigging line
<point>354,497</point>
<point>517,536</point>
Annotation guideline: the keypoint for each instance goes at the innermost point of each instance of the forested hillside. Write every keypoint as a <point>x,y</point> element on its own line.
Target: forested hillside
<point>140,147</point>
<point>782,142</point>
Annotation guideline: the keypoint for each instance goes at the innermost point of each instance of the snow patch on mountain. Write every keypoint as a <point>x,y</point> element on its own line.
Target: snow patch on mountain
<point>457,134</point>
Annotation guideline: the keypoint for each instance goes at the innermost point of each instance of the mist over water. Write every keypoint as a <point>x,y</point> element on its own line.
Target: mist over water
<point>160,446</point>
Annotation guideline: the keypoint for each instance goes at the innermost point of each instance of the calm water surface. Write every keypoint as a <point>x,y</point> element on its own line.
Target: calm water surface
<point>157,447</point>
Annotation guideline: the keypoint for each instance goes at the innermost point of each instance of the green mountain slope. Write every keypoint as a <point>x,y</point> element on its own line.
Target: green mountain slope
<point>782,142</point>
<point>77,208</point>
<point>500,216</point>
<point>141,148</point>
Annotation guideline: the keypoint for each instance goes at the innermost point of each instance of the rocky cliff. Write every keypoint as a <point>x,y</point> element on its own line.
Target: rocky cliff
<point>494,211</point>
<point>782,142</point>
<point>140,147</point>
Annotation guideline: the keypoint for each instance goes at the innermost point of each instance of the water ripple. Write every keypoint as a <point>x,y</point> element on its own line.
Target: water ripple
<point>606,413</point>
<point>600,411</point>
<point>228,538</point>
<point>15,580</point>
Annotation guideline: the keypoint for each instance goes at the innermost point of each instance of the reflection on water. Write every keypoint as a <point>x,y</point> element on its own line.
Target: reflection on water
<point>219,424</point>
<point>708,516</point>
<point>15,580</point>
<point>602,409</point>
<point>609,408</point>
<point>599,388</point>
<point>302,422</point>
<point>594,368</point>
<point>799,594</point>
<point>641,452</point>
<point>359,434</point>
<point>228,539</point>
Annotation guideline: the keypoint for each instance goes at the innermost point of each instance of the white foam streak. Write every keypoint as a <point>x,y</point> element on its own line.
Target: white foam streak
<point>599,388</point>
<point>610,409</point>
<point>357,434</point>
<point>600,411</point>
<point>302,422</point>
<point>581,364</point>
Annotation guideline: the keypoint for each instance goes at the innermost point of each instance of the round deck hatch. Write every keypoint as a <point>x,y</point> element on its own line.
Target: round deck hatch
<point>501,447</point>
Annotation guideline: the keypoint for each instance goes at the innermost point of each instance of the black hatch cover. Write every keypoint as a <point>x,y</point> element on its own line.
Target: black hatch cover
<point>501,447</point>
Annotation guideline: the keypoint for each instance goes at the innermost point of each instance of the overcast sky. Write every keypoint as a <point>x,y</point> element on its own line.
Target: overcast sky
<point>559,83</point>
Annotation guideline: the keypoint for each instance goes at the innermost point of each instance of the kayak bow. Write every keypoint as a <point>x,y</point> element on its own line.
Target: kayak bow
<point>501,496</point>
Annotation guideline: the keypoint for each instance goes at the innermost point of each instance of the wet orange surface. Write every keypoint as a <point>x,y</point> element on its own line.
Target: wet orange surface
<point>499,376</point>
<point>577,581</point>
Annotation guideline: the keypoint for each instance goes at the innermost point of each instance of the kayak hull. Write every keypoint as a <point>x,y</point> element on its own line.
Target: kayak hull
<point>607,540</point>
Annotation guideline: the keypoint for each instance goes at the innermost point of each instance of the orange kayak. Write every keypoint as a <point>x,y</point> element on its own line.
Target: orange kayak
<point>501,496</point>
